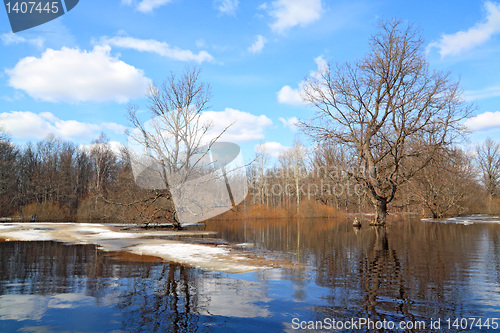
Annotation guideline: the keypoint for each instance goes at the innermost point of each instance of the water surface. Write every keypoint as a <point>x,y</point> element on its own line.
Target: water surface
<point>412,270</point>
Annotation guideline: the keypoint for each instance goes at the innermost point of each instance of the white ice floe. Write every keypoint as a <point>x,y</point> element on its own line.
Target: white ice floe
<point>26,235</point>
<point>467,220</point>
<point>200,256</point>
<point>96,231</point>
<point>181,251</point>
<point>108,238</point>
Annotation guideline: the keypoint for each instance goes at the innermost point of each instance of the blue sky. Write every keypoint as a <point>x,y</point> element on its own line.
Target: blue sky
<point>75,75</point>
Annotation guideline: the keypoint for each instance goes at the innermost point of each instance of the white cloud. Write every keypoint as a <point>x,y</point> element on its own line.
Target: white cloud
<point>146,6</point>
<point>291,123</point>
<point>117,128</point>
<point>115,146</point>
<point>14,97</point>
<point>263,6</point>
<point>73,75</point>
<point>454,44</point>
<point>244,126</point>
<point>29,125</point>
<point>293,96</point>
<point>489,92</point>
<point>160,48</point>
<point>200,43</point>
<point>12,38</point>
<point>484,121</point>
<point>23,307</point>
<point>290,13</point>
<point>226,7</point>
<point>69,128</point>
<point>258,45</point>
<point>321,66</point>
<point>271,148</point>
<point>288,95</point>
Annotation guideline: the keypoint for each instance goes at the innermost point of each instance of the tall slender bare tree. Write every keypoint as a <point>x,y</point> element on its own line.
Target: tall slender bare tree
<point>488,158</point>
<point>293,162</point>
<point>104,162</point>
<point>175,140</point>
<point>390,109</point>
<point>8,181</point>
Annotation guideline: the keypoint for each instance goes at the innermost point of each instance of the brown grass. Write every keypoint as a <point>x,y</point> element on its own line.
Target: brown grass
<point>308,208</point>
<point>312,208</point>
<point>45,212</point>
<point>495,206</point>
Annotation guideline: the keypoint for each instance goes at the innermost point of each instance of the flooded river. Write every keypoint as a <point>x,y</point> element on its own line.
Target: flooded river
<point>413,272</point>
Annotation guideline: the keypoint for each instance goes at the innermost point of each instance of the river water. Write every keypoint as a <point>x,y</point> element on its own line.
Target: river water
<point>426,273</point>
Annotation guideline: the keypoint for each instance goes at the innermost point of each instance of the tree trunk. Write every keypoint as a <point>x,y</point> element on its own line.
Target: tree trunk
<point>176,223</point>
<point>490,199</point>
<point>380,212</point>
<point>298,193</point>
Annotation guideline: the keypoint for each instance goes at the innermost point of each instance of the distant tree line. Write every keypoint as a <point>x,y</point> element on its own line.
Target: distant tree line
<point>455,182</point>
<point>59,181</point>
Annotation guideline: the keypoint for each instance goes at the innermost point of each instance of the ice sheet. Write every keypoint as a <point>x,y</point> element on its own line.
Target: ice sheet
<point>467,219</point>
<point>108,238</point>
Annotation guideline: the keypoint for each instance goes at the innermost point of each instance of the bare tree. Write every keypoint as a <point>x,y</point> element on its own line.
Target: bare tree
<point>8,182</point>
<point>260,163</point>
<point>292,161</point>
<point>104,164</point>
<point>389,109</point>
<point>488,158</point>
<point>175,141</point>
<point>329,162</point>
<point>445,185</point>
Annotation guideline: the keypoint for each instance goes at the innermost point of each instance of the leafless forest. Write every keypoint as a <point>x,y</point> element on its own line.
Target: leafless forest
<point>60,182</point>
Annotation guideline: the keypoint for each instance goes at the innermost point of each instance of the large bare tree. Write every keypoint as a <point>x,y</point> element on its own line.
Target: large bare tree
<point>390,109</point>
<point>174,143</point>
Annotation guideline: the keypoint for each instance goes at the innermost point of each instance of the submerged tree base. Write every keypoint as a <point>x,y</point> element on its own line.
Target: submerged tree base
<point>163,226</point>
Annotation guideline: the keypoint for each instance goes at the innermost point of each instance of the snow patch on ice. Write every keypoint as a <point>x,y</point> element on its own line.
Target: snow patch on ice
<point>199,256</point>
<point>466,220</point>
<point>108,238</point>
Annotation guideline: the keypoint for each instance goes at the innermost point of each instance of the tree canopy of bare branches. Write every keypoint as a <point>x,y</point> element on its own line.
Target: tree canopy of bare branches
<point>173,145</point>
<point>390,109</point>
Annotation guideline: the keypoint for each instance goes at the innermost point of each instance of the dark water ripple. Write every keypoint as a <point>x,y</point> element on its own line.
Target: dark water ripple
<point>409,271</point>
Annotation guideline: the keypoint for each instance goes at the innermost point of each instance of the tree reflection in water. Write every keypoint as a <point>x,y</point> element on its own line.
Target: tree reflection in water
<point>167,309</point>
<point>410,270</point>
<point>381,270</point>
<point>156,297</point>
<point>407,271</point>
